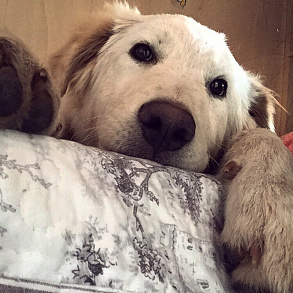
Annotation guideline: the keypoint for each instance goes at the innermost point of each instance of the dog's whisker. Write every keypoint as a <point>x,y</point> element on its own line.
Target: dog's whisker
<point>85,135</point>
<point>83,124</point>
<point>213,160</point>
<point>90,138</point>
<point>223,146</point>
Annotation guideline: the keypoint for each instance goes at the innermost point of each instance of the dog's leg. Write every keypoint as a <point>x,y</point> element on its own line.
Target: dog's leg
<point>28,100</point>
<point>258,181</point>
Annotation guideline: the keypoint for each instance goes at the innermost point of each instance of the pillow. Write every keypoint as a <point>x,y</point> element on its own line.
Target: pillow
<point>73,216</point>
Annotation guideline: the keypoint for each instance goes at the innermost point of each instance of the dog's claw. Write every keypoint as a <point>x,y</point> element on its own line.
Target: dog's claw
<point>10,91</point>
<point>43,74</point>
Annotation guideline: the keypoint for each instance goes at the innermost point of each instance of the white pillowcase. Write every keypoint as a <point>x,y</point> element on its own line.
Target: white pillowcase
<point>71,214</point>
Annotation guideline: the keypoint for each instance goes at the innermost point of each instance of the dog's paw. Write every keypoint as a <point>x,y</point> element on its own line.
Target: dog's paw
<point>28,100</point>
<point>257,230</point>
<point>41,112</point>
<point>244,220</point>
<point>10,90</point>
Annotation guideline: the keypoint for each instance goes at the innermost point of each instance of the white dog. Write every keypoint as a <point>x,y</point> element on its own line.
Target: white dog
<point>160,87</point>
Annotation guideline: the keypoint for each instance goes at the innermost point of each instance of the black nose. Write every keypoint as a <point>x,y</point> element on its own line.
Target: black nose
<point>166,126</point>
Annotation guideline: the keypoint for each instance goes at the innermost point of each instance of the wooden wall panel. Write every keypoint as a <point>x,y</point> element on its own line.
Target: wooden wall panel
<point>259,32</point>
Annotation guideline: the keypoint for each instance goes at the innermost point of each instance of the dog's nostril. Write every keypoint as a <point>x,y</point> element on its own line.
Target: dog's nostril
<point>153,122</point>
<point>183,134</point>
<point>166,126</point>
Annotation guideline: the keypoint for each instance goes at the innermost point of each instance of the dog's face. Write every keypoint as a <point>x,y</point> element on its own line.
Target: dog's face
<point>160,87</point>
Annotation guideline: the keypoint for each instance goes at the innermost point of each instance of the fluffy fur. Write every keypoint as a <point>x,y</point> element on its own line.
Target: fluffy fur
<point>258,174</point>
<point>104,88</point>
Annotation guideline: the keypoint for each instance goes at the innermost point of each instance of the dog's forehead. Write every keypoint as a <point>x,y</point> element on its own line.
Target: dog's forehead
<point>175,30</point>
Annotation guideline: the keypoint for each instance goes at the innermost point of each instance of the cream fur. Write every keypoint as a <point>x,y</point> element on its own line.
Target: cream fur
<point>103,96</point>
<point>258,210</point>
<point>103,88</point>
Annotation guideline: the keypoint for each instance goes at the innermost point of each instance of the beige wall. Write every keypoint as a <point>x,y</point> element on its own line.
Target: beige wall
<point>259,32</point>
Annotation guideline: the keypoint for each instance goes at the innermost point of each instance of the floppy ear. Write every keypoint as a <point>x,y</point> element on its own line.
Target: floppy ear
<point>72,66</point>
<point>262,107</point>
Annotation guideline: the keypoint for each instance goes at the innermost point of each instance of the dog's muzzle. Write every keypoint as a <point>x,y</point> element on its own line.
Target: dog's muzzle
<point>165,126</point>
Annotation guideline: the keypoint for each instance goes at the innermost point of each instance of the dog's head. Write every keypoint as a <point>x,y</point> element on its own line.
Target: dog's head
<point>160,87</point>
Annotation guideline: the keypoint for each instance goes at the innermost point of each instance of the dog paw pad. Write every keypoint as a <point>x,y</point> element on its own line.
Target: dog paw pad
<point>10,91</point>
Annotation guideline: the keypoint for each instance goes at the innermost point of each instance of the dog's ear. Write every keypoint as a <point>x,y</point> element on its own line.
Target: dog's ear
<point>262,106</point>
<point>121,10</point>
<point>72,66</point>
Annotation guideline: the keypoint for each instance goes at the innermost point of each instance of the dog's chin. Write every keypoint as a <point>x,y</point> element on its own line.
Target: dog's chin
<point>178,159</point>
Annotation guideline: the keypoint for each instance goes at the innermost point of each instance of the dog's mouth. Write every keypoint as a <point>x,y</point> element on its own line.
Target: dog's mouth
<point>146,152</point>
<point>137,147</point>
<point>165,129</point>
<point>162,132</point>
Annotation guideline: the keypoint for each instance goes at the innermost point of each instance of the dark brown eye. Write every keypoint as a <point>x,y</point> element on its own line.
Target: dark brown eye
<point>142,52</point>
<point>218,87</point>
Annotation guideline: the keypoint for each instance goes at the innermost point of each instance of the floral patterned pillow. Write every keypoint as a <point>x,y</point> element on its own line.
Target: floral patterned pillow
<point>72,216</point>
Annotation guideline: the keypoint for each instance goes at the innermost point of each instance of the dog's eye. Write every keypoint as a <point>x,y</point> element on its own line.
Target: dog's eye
<point>142,52</point>
<point>218,87</point>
